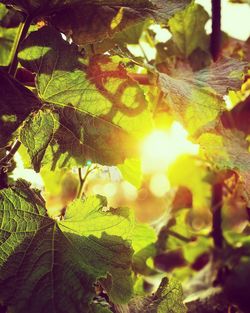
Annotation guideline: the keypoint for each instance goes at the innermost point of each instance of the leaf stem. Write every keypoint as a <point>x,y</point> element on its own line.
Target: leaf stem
<point>20,36</point>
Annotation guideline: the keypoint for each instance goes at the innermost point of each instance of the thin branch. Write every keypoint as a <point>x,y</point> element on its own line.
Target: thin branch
<point>248,213</point>
<point>215,40</point>
<point>163,235</point>
<point>217,233</point>
<point>5,160</point>
<point>82,179</point>
<point>180,237</point>
<point>3,178</point>
<point>143,52</point>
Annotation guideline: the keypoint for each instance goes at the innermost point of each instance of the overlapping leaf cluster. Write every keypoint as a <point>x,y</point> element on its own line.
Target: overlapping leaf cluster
<point>79,95</point>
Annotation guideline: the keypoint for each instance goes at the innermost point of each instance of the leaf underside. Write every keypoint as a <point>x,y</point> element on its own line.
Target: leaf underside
<point>52,266</point>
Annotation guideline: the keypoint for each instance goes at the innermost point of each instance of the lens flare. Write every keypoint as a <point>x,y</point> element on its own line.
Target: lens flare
<point>129,191</point>
<point>109,190</point>
<point>159,185</point>
<point>162,148</point>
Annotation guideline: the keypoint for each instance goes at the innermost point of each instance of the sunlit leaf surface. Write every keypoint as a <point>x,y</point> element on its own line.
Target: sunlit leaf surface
<point>104,104</point>
<point>68,255</point>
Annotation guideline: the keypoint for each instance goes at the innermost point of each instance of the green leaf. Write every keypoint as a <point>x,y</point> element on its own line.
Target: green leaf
<point>187,28</point>
<point>10,23</point>
<point>119,41</point>
<point>69,140</point>
<point>167,299</point>
<point>36,134</point>
<point>85,137</point>
<point>196,98</point>
<point>91,21</point>
<point>16,103</point>
<point>98,105</point>
<point>143,235</point>
<point>9,18</point>
<point>7,36</point>
<point>131,171</point>
<point>140,259</point>
<point>49,265</point>
<point>137,8</point>
<point>3,11</point>
<point>92,220</point>
<point>131,35</point>
<point>189,172</point>
<point>143,241</point>
<point>228,149</point>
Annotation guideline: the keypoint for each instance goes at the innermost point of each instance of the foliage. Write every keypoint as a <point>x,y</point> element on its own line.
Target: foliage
<point>83,84</point>
<point>65,252</point>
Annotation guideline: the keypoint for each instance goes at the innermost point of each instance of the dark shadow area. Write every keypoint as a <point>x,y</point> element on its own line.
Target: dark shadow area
<point>16,103</point>
<point>238,117</point>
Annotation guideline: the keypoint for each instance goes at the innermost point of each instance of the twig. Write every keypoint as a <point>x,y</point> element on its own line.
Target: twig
<point>215,40</point>
<point>82,180</point>
<point>180,237</point>
<point>163,235</point>
<point>143,52</point>
<point>5,160</point>
<point>217,234</point>
<point>248,213</point>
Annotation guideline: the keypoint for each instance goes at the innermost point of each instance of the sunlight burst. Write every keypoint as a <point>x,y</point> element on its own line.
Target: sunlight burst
<point>162,148</point>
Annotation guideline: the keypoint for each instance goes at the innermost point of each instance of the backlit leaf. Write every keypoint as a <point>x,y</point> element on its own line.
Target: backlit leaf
<point>191,173</point>
<point>91,21</point>
<point>228,149</point>
<point>7,36</point>
<point>167,299</point>
<point>36,134</point>
<point>49,265</point>
<point>131,171</point>
<point>104,104</point>
<point>187,28</point>
<point>196,98</point>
